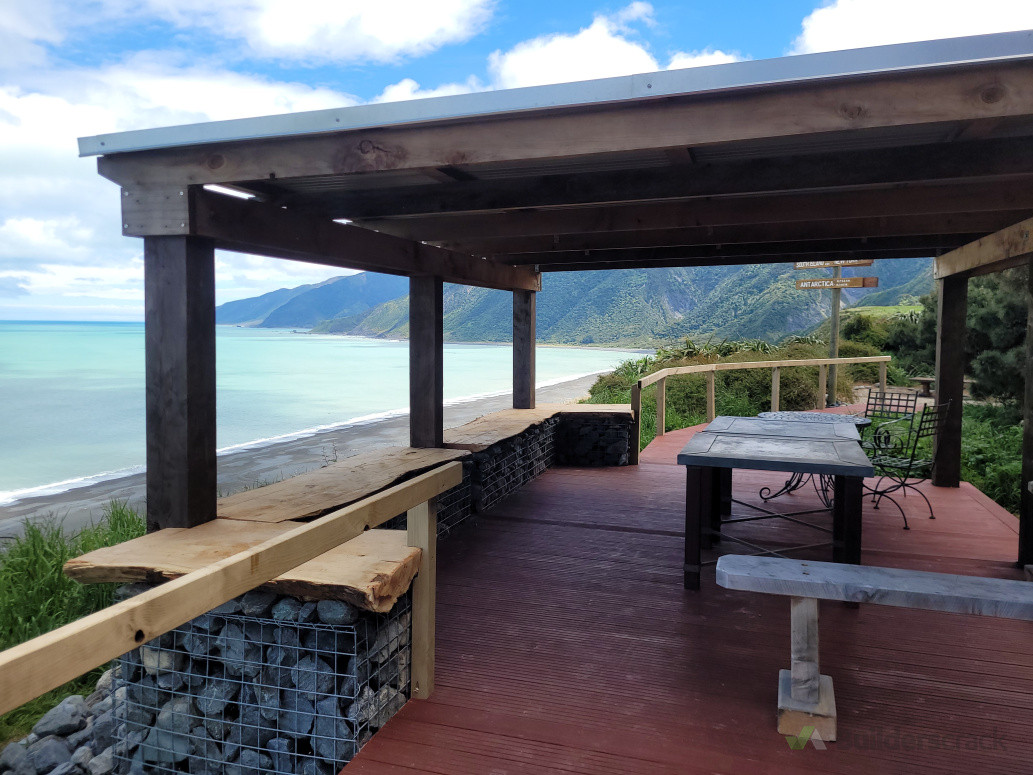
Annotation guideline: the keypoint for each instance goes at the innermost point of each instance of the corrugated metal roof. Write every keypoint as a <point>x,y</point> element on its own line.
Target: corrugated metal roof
<point>954,52</point>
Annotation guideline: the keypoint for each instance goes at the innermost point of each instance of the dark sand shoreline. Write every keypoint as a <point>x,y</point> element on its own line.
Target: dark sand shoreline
<point>243,468</point>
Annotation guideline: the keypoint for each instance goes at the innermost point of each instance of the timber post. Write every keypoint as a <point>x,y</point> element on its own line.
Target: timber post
<point>661,405</point>
<point>426,362</point>
<point>422,531</point>
<point>179,314</point>
<point>950,375</point>
<point>1026,501</point>
<point>523,349</point>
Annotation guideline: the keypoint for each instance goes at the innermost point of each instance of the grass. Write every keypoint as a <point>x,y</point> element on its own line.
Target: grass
<point>37,596</point>
<point>991,452</point>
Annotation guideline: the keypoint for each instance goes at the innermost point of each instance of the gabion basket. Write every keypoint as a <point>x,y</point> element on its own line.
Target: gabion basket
<point>262,684</point>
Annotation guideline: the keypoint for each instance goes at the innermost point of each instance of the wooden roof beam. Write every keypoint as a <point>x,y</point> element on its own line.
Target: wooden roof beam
<point>1003,249</point>
<point>930,245</point>
<point>998,90</point>
<point>249,226</point>
<point>885,166</point>
<point>882,226</point>
<point>730,260</point>
<point>776,208</point>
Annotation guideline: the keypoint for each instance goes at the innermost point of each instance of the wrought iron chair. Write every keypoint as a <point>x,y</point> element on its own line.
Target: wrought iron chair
<point>909,462</point>
<point>892,415</point>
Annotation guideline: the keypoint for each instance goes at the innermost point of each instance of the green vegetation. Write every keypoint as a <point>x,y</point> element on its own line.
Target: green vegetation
<point>991,452</point>
<point>741,393</point>
<point>995,347</point>
<point>38,597</point>
<point>991,432</point>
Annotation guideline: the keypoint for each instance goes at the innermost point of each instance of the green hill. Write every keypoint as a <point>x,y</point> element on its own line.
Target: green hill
<point>621,307</point>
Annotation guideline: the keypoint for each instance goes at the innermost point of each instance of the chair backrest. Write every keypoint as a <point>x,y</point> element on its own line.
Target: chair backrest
<point>930,425</point>
<point>889,405</point>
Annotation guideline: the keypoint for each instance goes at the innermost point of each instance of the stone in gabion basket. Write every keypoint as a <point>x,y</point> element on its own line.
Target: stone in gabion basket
<point>262,684</point>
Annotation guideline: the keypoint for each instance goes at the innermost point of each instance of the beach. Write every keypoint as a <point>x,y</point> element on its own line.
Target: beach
<point>269,462</point>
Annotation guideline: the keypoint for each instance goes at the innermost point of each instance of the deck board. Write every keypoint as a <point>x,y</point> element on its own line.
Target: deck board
<point>566,644</point>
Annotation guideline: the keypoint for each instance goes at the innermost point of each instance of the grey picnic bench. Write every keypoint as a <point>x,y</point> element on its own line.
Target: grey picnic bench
<point>805,697</point>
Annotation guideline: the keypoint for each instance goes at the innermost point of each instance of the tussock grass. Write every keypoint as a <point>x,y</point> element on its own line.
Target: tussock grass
<point>36,597</point>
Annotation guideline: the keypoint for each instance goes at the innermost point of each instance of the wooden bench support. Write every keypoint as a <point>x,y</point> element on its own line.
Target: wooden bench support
<point>422,525</point>
<point>805,697</point>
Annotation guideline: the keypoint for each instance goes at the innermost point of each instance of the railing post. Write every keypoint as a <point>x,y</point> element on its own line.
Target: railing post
<point>661,405</point>
<point>711,397</point>
<point>636,424</point>
<point>882,377</point>
<point>823,376</point>
<point>422,531</point>
<point>775,385</point>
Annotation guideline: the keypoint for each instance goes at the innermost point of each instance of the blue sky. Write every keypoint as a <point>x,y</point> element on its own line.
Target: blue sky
<point>70,68</point>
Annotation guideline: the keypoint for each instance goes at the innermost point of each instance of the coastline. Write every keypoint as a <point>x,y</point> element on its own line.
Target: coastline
<point>269,460</point>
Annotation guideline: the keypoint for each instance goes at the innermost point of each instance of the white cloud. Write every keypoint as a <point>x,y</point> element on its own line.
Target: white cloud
<point>59,220</point>
<point>607,47</point>
<point>25,27</point>
<point>598,51</point>
<point>702,58</point>
<point>846,24</point>
<point>409,89</point>
<point>327,30</point>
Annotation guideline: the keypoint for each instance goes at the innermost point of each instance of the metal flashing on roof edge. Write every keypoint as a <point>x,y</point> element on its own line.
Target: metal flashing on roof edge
<point>953,52</point>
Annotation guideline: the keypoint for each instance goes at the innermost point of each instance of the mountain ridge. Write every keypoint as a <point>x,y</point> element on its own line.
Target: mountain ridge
<point>623,307</point>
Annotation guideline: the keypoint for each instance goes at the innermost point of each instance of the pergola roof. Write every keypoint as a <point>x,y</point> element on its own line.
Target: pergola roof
<point>895,151</point>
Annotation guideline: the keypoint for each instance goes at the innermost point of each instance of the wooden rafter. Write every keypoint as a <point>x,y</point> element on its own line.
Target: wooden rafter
<point>255,227</point>
<point>971,161</point>
<point>887,245</point>
<point>731,260</point>
<point>844,228</point>
<point>749,210</point>
<point>1012,246</point>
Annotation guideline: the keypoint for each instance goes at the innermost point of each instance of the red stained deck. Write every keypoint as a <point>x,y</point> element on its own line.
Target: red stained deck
<point>566,644</point>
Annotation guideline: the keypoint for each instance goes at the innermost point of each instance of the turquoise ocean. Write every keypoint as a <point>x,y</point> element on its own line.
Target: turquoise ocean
<point>72,394</point>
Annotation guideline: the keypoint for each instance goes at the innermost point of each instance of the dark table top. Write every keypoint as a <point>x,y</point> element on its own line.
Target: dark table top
<point>817,418</point>
<point>756,426</point>
<point>776,453</point>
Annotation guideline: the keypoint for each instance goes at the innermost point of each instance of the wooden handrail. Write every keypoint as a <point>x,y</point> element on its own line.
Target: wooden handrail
<point>710,368</point>
<point>44,663</point>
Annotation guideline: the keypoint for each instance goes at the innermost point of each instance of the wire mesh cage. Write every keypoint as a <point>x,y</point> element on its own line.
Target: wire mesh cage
<point>262,684</point>
<point>454,507</point>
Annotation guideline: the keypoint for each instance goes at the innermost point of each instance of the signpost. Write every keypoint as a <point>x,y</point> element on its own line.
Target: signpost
<point>835,284</point>
<point>832,264</point>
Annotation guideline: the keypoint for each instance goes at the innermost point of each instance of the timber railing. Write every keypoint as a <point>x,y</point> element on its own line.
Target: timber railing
<point>44,663</point>
<point>709,369</point>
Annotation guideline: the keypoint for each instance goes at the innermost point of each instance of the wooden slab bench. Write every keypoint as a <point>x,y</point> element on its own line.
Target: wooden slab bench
<point>805,697</point>
<point>369,571</point>
<point>321,491</point>
<point>477,435</point>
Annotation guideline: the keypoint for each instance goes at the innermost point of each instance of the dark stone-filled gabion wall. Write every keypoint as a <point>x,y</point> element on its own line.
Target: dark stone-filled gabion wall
<point>262,684</point>
<point>454,506</point>
<point>503,467</point>
<point>593,440</point>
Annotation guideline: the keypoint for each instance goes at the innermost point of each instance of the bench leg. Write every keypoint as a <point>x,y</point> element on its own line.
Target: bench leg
<point>805,697</point>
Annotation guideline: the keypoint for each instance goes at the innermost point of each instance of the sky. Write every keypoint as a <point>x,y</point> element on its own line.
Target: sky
<point>71,68</point>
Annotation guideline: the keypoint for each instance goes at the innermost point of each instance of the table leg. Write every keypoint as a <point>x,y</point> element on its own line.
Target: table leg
<point>846,520</point>
<point>721,505</point>
<point>725,477</point>
<point>700,506</point>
